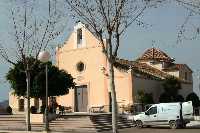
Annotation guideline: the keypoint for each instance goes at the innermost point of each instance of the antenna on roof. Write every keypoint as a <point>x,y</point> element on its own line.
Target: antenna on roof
<point>153,43</point>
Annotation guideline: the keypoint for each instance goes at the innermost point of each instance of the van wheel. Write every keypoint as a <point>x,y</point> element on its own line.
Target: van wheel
<point>139,124</point>
<point>173,124</point>
<point>148,126</point>
<point>183,125</point>
<point>134,123</point>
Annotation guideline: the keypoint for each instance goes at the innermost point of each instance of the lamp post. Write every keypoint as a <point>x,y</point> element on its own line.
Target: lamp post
<point>44,57</point>
<point>198,77</point>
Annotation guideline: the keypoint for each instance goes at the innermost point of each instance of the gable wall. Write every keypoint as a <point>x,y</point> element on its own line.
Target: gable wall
<point>189,74</point>
<point>91,55</point>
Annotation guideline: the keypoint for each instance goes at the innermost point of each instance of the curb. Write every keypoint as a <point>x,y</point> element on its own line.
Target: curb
<point>53,131</point>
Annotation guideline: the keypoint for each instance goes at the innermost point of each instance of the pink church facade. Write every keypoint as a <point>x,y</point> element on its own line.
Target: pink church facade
<point>89,67</point>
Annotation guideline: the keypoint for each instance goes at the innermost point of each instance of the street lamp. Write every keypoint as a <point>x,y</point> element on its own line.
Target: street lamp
<point>198,77</point>
<point>44,57</point>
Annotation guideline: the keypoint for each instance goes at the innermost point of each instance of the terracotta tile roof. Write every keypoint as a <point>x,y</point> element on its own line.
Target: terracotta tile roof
<point>177,67</point>
<point>150,70</point>
<point>155,54</point>
<point>124,62</point>
<point>144,68</point>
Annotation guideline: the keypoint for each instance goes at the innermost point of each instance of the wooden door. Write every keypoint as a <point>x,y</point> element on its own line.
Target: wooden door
<point>81,98</point>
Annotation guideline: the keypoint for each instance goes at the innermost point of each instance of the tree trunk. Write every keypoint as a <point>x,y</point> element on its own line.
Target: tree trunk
<point>113,96</point>
<point>112,86</point>
<point>28,125</point>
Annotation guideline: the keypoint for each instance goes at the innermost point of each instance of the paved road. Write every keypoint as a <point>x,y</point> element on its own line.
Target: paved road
<point>161,130</point>
<point>8,124</point>
<point>128,130</point>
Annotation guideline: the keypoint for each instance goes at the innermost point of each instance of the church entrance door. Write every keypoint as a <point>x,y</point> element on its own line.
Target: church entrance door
<point>81,98</point>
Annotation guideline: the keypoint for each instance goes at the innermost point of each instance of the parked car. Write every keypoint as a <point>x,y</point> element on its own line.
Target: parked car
<point>176,115</point>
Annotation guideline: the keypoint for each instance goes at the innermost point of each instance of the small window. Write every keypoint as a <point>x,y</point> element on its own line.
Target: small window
<point>186,76</point>
<point>80,66</point>
<point>79,38</point>
<point>152,62</point>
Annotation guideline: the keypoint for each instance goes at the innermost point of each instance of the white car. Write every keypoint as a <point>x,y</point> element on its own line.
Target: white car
<point>176,115</point>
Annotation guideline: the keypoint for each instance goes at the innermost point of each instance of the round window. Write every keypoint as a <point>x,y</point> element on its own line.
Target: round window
<point>80,66</point>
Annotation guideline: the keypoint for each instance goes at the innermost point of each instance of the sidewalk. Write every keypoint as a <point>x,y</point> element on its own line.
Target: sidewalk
<point>194,124</point>
<point>66,131</point>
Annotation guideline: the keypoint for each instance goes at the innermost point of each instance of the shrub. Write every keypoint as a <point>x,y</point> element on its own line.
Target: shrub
<point>33,110</point>
<point>194,98</point>
<point>51,109</point>
<point>9,110</point>
<point>179,98</point>
<point>42,109</point>
<point>128,108</point>
<point>61,109</point>
<point>148,98</point>
<point>165,98</point>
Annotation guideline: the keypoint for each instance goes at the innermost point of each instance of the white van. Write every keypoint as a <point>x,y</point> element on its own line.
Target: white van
<point>176,115</point>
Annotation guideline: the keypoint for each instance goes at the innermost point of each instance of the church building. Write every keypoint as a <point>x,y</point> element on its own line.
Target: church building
<point>82,56</point>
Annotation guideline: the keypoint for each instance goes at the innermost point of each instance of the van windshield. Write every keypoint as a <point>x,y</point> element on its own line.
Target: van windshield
<point>152,110</point>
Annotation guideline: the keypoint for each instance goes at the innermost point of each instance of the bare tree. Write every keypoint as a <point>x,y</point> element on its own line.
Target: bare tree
<point>192,5</point>
<point>33,31</point>
<point>109,19</point>
<point>188,29</point>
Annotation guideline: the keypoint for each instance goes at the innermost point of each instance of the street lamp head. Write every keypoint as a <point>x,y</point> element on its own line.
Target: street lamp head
<point>44,56</point>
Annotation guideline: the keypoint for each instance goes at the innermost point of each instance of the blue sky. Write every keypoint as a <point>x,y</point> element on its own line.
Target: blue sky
<point>165,22</point>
